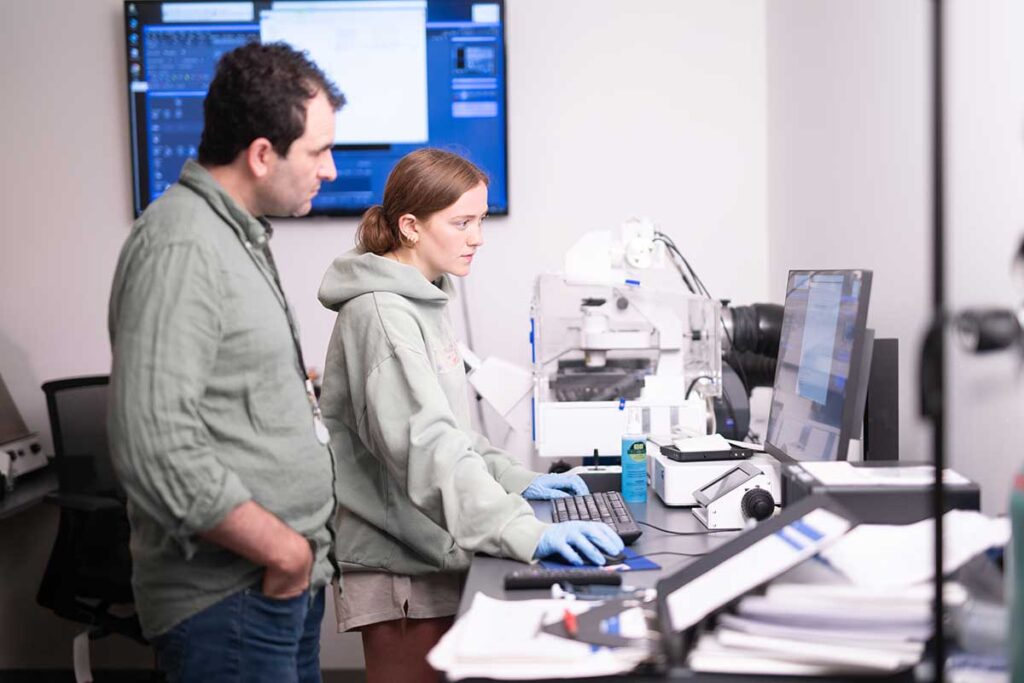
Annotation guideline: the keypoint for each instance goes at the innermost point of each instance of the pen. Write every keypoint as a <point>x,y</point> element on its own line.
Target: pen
<point>569,620</point>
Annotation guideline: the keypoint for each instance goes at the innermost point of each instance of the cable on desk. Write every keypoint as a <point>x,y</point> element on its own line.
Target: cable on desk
<point>670,552</point>
<point>689,389</point>
<point>686,533</point>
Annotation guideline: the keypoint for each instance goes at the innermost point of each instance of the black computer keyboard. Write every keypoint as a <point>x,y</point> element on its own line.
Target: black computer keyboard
<point>604,506</point>
<point>536,577</point>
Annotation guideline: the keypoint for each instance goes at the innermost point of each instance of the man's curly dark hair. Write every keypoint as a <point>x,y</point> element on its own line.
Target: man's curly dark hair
<point>260,91</point>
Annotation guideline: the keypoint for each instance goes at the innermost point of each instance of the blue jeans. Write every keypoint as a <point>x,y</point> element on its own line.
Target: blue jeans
<point>246,637</point>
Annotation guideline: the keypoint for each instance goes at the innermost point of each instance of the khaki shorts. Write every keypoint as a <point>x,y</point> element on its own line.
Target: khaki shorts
<point>373,597</point>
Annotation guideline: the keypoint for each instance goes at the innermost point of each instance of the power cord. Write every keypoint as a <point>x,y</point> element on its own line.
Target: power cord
<point>678,267</point>
<point>685,533</point>
<point>689,389</point>
<point>670,243</point>
<point>469,342</point>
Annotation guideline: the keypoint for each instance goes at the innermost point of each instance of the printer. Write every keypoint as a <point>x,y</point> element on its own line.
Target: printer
<point>20,450</point>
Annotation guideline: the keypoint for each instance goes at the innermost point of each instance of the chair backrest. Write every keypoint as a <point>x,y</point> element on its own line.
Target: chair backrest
<point>90,565</point>
<point>78,421</point>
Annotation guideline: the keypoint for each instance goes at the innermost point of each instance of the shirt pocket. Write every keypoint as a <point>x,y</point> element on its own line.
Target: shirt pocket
<point>278,405</point>
<point>260,353</point>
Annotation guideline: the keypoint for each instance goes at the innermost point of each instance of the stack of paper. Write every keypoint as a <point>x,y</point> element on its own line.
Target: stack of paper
<point>754,566</point>
<point>700,444</point>
<point>872,615</point>
<point>844,473</point>
<point>801,629</point>
<point>890,555</point>
<point>503,640</point>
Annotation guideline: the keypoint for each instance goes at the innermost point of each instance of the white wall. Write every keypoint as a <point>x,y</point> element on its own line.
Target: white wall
<point>654,107</point>
<point>64,210</point>
<point>847,162</point>
<point>848,186</point>
<point>986,215</point>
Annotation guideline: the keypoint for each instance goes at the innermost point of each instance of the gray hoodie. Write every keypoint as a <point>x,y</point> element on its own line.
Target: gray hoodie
<point>419,490</point>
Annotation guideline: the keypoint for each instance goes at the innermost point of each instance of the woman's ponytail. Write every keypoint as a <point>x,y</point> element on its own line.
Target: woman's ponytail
<point>374,235</point>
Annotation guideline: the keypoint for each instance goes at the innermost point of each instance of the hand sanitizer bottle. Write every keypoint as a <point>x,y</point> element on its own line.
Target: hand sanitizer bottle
<point>634,458</point>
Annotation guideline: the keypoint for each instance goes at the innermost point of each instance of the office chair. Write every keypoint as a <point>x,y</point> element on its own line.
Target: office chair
<point>89,571</point>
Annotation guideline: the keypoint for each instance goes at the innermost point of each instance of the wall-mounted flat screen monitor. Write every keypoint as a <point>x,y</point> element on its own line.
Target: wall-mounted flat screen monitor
<point>415,73</point>
<point>821,374</point>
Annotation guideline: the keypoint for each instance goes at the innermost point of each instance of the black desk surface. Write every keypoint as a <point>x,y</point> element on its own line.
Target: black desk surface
<point>486,575</point>
<point>29,490</point>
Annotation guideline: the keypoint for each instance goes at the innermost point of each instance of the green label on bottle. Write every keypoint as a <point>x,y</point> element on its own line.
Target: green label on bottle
<point>637,451</point>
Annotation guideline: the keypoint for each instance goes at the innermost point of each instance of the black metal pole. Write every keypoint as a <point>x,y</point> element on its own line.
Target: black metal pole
<point>934,404</point>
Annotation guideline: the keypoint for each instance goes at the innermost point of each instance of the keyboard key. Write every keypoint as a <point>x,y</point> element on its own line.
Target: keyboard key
<point>604,506</point>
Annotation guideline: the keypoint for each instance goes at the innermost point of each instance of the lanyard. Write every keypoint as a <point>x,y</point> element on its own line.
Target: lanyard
<point>292,326</point>
<point>319,428</point>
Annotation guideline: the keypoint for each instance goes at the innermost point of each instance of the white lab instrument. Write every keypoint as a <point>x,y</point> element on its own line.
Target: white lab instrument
<point>615,329</point>
<point>20,450</point>
<point>19,457</point>
<point>735,498</point>
<point>676,482</point>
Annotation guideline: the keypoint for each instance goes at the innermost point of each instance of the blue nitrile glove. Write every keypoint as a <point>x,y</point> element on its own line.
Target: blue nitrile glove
<point>572,539</point>
<point>548,486</point>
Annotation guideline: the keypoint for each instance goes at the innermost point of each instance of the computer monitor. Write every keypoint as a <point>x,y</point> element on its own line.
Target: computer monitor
<point>824,357</point>
<point>415,73</point>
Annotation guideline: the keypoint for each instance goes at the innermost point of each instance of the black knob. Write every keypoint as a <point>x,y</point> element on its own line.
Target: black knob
<point>757,504</point>
<point>35,448</point>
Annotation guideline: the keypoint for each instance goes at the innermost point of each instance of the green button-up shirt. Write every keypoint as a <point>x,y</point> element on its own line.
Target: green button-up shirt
<point>208,407</point>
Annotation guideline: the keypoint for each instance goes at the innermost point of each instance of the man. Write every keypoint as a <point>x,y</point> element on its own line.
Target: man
<point>214,432</point>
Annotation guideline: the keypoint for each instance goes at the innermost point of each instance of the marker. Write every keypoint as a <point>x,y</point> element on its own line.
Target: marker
<point>569,620</point>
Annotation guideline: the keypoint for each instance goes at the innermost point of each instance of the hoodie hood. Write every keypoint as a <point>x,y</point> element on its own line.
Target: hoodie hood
<point>354,274</point>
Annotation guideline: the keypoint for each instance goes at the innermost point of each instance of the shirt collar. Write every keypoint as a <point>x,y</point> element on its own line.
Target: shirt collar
<point>258,231</point>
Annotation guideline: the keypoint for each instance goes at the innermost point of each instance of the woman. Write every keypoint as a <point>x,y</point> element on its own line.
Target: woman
<point>419,490</point>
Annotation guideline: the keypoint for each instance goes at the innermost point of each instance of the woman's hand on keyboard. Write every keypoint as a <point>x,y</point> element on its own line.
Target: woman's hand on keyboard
<point>549,486</point>
<point>570,540</point>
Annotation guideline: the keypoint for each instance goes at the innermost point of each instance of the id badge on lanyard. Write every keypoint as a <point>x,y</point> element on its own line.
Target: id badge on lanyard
<point>319,428</point>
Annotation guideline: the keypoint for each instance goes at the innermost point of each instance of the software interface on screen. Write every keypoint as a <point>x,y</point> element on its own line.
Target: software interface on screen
<point>822,339</point>
<point>414,73</point>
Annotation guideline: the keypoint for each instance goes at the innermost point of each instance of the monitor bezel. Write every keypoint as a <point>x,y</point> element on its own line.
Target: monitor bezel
<point>856,376</point>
